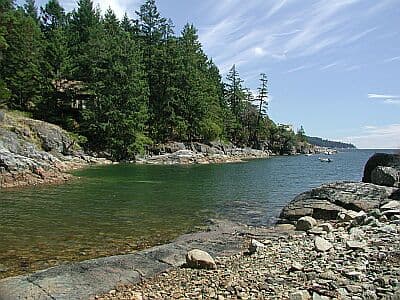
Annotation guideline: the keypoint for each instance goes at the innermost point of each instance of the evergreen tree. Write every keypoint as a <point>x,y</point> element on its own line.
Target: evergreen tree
<point>5,8</point>
<point>114,119</point>
<point>152,31</point>
<point>31,10</point>
<point>83,25</point>
<point>262,108</point>
<point>21,60</point>
<point>56,109</point>
<point>235,96</point>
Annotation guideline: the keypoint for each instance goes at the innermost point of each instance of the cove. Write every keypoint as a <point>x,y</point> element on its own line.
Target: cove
<point>118,209</point>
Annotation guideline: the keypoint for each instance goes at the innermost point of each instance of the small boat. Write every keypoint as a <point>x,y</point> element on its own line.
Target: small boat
<point>308,154</point>
<point>325,159</point>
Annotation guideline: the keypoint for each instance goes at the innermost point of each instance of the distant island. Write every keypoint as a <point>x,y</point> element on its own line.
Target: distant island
<point>330,144</point>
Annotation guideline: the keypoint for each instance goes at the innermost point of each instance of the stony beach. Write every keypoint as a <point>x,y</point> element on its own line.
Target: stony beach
<point>357,259</point>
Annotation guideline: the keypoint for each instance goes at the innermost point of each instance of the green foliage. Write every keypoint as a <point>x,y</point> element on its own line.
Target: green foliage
<point>121,85</point>
<point>21,60</point>
<point>114,119</point>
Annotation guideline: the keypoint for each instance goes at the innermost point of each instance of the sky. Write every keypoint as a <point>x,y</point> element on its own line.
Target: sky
<point>333,65</point>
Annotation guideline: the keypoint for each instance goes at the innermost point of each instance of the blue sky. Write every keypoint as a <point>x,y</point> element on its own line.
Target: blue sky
<point>333,65</point>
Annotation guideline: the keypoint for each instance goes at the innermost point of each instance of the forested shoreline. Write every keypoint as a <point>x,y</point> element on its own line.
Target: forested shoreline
<point>123,85</point>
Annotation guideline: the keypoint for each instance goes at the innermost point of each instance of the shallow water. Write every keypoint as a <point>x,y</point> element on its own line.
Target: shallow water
<point>120,208</point>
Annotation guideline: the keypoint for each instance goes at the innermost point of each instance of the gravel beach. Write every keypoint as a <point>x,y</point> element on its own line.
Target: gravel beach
<point>363,262</point>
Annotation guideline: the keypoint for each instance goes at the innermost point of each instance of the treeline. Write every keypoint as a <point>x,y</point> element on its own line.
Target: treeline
<point>329,144</point>
<point>125,84</point>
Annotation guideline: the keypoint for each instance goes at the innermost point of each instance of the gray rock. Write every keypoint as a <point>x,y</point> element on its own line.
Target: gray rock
<point>255,246</point>
<point>305,223</point>
<point>380,160</point>
<point>390,213</point>
<point>350,215</point>
<point>322,245</point>
<point>200,259</point>
<point>300,295</point>
<point>376,213</point>
<point>327,227</point>
<point>357,234</point>
<point>327,201</point>
<point>386,176</point>
<point>317,296</point>
<point>296,266</point>
<point>391,205</point>
<point>388,228</point>
<point>317,231</point>
<point>356,245</point>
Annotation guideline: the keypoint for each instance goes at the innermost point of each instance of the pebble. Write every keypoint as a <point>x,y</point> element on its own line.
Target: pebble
<point>322,245</point>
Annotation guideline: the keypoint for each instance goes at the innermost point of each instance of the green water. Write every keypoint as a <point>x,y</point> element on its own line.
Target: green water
<point>121,208</point>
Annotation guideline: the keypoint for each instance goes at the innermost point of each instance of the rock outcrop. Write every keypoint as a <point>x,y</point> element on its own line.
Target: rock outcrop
<point>327,201</point>
<point>174,153</point>
<point>34,152</point>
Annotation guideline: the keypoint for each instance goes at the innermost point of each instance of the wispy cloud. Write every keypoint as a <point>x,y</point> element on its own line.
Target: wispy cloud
<point>286,33</point>
<point>382,96</point>
<point>329,66</point>
<point>298,69</point>
<point>276,7</point>
<point>392,59</point>
<point>257,31</point>
<point>383,137</point>
<point>385,98</point>
<point>360,35</point>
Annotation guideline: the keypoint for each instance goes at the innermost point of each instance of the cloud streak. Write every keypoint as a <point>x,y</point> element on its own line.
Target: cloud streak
<point>383,137</point>
<point>388,99</point>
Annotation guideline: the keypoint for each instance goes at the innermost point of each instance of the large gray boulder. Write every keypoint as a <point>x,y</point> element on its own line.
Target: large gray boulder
<point>387,176</point>
<point>327,201</point>
<point>380,160</point>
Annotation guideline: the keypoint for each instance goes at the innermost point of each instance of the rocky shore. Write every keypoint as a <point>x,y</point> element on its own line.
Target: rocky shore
<point>34,152</point>
<point>197,153</point>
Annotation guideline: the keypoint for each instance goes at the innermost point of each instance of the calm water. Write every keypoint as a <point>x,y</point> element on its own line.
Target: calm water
<point>118,209</point>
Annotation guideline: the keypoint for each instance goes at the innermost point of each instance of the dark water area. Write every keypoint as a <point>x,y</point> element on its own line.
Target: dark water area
<point>121,208</point>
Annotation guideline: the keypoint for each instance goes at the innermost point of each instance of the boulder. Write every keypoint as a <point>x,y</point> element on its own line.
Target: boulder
<point>305,223</point>
<point>327,227</point>
<point>391,205</point>
<point>296,266</point>
<point>200,259</point>
<point>255,246</point>
<point>322,245</point>
<point>350,215</point>
<point>355,245</point>
<point>395,195</point>
<point>327,201</point>
<point>386,176</point>
<point>300,295</point>
<point>380,160</point>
